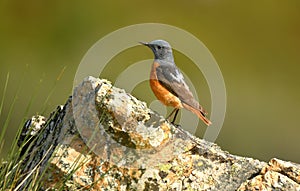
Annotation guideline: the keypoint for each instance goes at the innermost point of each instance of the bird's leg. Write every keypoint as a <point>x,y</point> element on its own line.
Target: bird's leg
<point>169,116</point>
<point>174,118</point>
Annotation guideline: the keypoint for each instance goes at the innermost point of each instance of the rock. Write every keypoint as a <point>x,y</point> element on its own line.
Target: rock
<point>106,139</point>
<point>278,175</point>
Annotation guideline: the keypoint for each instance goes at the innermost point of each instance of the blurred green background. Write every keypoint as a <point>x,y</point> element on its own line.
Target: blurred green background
<point>256,44</point>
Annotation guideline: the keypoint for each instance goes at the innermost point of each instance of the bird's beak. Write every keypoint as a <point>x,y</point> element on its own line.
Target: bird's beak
<point>144,43</point>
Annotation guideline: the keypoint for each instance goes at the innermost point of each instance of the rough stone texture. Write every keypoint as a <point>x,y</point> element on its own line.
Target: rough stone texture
<point>120,144</point>
<point>278,175</point>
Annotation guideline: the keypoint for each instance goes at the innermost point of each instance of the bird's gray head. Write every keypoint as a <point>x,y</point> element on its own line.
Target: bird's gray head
<point>161,49</point>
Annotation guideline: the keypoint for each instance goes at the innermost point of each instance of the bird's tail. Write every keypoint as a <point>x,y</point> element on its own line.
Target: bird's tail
<point>199,113</point>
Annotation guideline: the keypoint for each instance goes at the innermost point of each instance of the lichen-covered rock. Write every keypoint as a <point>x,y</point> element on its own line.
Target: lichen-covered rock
<point>136,149</point>
<point>277,175</point>
<point>121,129</point>
<point>106,139</point>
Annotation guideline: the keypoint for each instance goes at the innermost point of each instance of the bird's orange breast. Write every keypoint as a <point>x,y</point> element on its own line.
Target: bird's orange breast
<point>161,93</point>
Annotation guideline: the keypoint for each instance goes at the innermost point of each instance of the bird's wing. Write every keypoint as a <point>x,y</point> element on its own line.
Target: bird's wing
<point>172,79</point>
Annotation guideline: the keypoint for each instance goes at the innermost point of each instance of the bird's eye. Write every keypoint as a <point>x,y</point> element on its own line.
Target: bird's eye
<point>159,47</point>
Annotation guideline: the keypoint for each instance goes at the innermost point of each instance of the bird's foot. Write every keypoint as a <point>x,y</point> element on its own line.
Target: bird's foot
<point>176,125</point>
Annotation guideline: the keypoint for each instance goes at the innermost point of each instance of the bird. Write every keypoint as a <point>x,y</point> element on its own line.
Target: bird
<point>168,84</point>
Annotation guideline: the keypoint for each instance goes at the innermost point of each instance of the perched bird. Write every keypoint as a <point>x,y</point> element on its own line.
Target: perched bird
<point>167,82</point>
